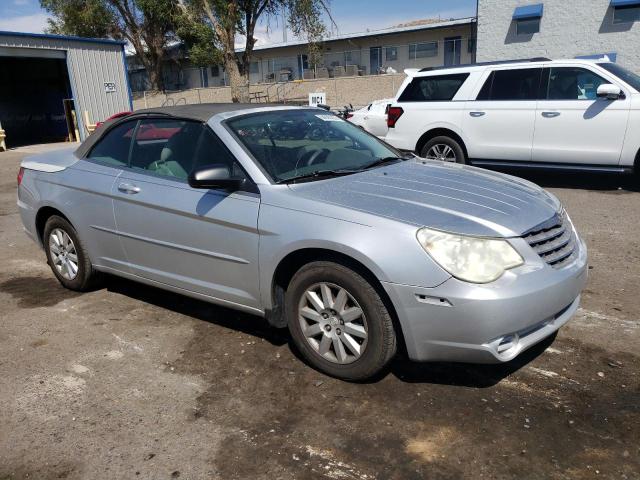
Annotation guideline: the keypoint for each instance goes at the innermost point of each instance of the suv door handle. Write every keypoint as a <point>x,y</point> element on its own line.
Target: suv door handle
<point>477,114</point>
<point>128,188</point>
<point>550,114</point>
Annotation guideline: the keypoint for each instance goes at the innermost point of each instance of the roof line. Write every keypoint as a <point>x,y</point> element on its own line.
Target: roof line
<point>373,33</point>
<point>62,37</point>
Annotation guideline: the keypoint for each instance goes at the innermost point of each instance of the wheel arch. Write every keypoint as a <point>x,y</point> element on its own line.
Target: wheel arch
<point>293,261</point>
<point>437,132</point>
<point>44,213</point>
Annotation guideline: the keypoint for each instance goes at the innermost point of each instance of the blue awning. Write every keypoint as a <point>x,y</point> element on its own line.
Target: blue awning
<point>625,3</point>
<point>529,11</point>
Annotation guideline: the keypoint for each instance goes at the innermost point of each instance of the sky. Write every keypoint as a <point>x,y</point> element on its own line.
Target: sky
<point>351,16</point>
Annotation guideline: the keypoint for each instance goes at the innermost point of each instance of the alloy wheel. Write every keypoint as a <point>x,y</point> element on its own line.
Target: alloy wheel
<point>443,152</point>
<point>333,323</point>
<point>63,253</point>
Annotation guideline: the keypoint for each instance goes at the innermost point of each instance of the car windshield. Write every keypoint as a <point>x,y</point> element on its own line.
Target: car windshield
<point>310,144</point>
<point>625,75</point>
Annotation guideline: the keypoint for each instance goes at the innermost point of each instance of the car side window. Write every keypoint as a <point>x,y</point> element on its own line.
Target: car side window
<point>573,83</point>
<point>113,148</point>
<point>516,84</point>
<point>440,88</point>
<point>212,151</point>
<point>166,147</point>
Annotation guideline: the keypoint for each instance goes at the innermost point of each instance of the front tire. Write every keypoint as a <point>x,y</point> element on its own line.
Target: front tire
<point>443,148</point>
<point>67,256</point>
<point>338,321</point>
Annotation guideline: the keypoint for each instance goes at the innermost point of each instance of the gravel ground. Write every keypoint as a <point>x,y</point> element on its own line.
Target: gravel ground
<point>133,382</point>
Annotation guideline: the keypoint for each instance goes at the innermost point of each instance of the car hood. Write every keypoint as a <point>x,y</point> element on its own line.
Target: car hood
<point>451,197</point>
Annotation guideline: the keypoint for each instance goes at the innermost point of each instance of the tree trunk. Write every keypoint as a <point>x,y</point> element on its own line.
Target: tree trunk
<point>239,83</point>
<point>156,79</point>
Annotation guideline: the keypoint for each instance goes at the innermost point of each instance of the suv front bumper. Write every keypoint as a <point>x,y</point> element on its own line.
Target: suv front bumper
<point>489,323</point>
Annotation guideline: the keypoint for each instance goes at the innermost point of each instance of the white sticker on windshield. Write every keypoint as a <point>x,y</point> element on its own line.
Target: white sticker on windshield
<point>329,118</point>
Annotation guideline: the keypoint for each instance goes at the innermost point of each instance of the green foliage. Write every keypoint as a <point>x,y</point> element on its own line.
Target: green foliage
<point>198,37</point>
<point>84,18</point>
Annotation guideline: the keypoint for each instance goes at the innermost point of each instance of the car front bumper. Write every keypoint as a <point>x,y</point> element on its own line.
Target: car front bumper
<point>489,323</point>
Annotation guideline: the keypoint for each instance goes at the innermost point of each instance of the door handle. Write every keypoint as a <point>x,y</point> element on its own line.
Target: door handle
<point>550,114</point>
<point>477,114</point>
<point>128,188</point>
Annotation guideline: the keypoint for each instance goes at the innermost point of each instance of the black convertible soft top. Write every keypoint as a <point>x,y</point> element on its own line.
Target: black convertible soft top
<point>200,111</point>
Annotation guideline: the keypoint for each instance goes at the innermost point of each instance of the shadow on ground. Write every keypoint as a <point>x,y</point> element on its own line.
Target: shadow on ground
<point>604,182</point>
<point>443,373</point>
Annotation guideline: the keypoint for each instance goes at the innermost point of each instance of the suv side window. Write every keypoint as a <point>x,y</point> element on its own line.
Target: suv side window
<point>433,89</point>
<point>113,148</point>
<point>166,147</point>
<point>517,84</point>
<point>573,83</point>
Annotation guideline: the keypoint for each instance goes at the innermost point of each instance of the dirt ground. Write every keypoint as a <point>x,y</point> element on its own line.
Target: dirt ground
<point>133,382</point>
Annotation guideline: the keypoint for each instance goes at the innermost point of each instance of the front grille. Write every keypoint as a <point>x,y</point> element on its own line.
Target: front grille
<point>554,241</point>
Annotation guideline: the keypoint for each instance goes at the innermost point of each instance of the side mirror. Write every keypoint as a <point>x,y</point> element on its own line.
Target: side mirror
<point>609,91</point>
<point>215,176</point>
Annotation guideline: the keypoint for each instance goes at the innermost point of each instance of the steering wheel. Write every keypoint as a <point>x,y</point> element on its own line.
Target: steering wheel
<point>313,156</point>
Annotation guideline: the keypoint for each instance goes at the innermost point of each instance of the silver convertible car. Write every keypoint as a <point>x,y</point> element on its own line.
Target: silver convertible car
<point>295,215</point>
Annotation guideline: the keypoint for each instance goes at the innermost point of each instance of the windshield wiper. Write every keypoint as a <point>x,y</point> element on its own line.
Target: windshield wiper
<point>383,161</point>
<point>317,174</point>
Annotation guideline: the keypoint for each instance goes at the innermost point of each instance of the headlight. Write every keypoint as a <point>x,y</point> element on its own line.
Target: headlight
<point>472,259</point>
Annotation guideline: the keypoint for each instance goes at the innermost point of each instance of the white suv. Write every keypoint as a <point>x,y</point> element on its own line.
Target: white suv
<point>576,114</point>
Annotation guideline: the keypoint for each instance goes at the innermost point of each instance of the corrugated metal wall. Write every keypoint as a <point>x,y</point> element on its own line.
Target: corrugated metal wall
<point>91,64</point>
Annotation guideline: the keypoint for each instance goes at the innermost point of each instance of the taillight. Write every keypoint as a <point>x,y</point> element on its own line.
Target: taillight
<point>20,175</point>
<point>393,114</point>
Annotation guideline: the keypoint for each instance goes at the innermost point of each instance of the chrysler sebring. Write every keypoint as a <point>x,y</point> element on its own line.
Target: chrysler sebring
<point>295,215</point>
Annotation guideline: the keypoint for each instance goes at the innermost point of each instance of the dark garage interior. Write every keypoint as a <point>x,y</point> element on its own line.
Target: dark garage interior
<point>32,91</point>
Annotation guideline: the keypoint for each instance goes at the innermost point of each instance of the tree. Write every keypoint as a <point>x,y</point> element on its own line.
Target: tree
<point>148,25</point>
<point>226,20</point>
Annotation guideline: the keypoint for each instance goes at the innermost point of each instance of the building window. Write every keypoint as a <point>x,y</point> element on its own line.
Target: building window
<point>215,71</point>
<point>527,26</point>
<point>471,45</point>
<point>423,50</point>
<point>348,58</point>
<point>626,13</point>
<point>254,67</point>
<point>527,18</point>
<point>391,53</point>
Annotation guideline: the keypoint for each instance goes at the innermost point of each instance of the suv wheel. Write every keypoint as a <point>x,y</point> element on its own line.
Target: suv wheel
<point>443,148</point>
<point>338,321</point>
<point>66,255</point>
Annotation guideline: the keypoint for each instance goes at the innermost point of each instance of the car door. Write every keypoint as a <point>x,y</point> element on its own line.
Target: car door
<point>376,119</point>
<point>499,124</point>
<point>91,182</point>
<point>203,241</point>
<point>573,125</point>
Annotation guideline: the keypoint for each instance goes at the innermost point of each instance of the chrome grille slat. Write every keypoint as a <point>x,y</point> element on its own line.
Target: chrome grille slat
<point>545,235</point>
<point>555,244</point>
<point>559,254</point>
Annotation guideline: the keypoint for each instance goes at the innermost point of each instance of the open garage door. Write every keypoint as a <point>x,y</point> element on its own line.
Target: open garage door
<point>32,90</point>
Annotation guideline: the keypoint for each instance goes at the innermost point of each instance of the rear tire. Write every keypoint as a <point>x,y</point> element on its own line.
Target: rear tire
<point>443,148</point>
<point>67,256</point>
<point>338,322</point>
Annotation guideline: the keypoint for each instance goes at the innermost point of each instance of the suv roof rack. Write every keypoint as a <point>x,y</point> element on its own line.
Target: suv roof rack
<point>481,64</point>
